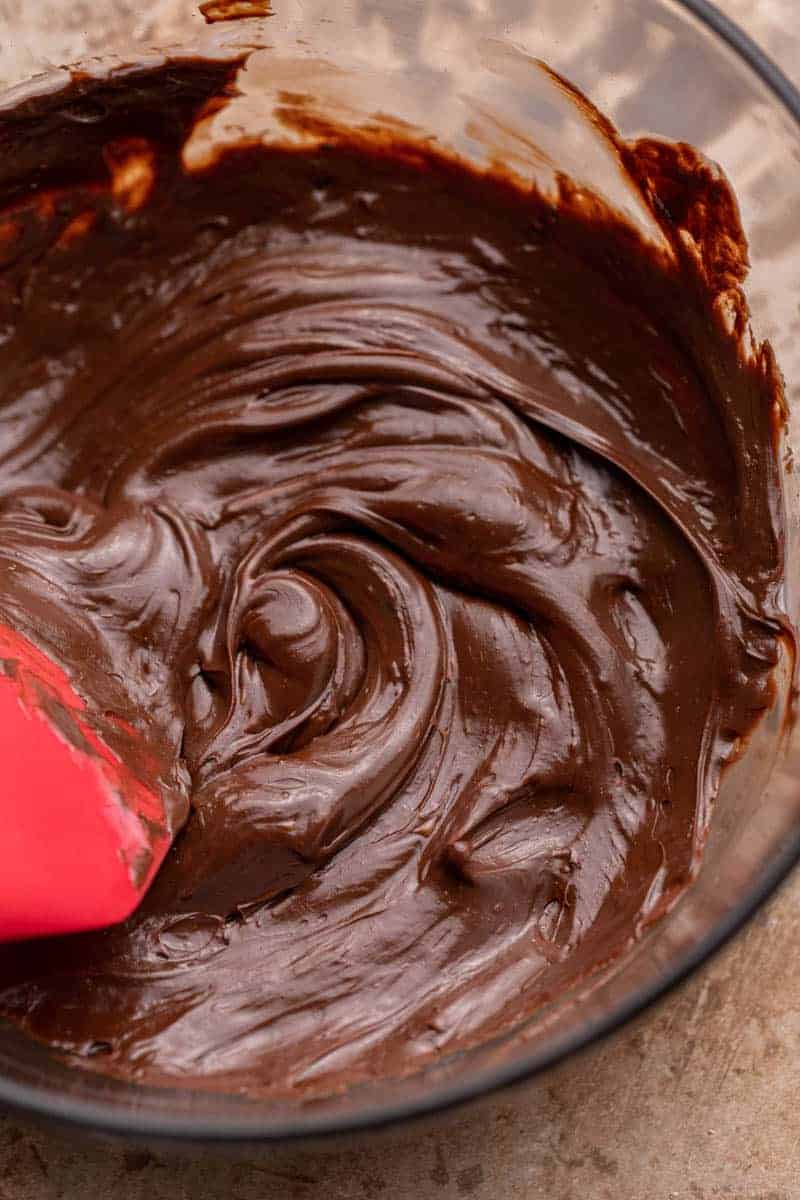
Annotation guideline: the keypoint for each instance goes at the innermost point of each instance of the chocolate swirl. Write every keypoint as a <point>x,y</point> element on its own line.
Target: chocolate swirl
<point>411,519</point>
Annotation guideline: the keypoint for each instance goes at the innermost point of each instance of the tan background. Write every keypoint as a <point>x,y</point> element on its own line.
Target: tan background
<point>697,1100</point>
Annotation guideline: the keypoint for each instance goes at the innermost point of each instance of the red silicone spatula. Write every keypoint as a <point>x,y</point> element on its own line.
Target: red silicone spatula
<point>80,836</point>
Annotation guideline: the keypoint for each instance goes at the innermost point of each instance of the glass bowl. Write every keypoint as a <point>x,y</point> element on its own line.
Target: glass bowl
<point>464,71</point>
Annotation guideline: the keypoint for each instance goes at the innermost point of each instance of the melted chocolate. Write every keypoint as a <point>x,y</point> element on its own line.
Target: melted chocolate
<point>431,535</point>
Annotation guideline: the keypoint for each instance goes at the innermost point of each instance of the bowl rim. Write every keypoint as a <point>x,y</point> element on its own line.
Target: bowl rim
<point>92,1115</point>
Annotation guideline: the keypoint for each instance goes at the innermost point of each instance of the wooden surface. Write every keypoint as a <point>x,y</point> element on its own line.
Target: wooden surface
<point>697,1100</point>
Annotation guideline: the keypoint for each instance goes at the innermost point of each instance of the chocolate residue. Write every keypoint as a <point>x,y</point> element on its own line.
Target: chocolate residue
<point>234,10</point>
<point>429,531</point>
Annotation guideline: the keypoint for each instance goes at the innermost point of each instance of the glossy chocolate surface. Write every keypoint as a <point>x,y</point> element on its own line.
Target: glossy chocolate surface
<point>431,534</point>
